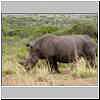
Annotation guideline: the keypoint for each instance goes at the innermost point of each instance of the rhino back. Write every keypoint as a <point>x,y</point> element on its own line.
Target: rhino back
<point>67,47</point>
<point>47,46</point>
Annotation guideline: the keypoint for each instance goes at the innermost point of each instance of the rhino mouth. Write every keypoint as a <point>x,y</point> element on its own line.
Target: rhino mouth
<point>25,65</point>
<point>28,64</point>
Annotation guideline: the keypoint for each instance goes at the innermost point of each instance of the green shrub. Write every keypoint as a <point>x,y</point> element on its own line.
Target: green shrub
<point>56,24</point>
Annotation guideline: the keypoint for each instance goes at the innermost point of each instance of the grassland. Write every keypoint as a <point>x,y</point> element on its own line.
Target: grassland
<point>19,30</point>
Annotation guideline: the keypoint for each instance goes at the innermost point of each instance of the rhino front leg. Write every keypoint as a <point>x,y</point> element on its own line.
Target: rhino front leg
<point>53,65</point>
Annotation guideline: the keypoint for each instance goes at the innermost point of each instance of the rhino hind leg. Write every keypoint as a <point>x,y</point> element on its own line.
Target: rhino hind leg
<point>91,61</point>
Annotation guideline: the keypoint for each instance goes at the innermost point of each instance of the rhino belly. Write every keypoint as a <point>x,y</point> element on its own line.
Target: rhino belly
<point>65,59</point>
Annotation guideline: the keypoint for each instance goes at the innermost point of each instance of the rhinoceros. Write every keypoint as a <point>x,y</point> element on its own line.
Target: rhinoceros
<point>62,49</point>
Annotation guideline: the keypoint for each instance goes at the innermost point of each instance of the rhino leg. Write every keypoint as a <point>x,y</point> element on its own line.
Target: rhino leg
<point>53,65</point>
<point>91,61</point>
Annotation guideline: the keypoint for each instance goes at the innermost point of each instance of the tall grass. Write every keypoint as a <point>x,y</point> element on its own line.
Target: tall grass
<point>40,74</point>
<point>83,71</point>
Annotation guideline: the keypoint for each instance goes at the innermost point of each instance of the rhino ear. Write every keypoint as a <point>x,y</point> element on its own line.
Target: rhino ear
<point>28,45</point>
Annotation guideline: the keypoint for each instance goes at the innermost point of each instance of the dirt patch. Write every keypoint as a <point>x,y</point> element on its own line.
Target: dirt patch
<point>10,80</point>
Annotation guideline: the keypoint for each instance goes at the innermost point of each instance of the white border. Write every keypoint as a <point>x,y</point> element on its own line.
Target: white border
<point>52,86</point>
<point>0,50</point>
<point>98,49</point>
<point>67,85</point>
<point>50,0</point>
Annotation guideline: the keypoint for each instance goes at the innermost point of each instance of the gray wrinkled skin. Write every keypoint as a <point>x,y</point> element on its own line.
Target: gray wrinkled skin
<point>65,49</point>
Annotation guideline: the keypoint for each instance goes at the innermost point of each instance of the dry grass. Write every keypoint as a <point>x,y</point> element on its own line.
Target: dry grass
<point>41,76</point>
<point>83,71</point>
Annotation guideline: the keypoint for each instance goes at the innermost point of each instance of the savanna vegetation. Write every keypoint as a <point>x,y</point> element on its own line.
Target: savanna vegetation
<point>17,30</point>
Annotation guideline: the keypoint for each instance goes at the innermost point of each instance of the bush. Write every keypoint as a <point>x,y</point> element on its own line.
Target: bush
<point>83,27</point>
<point>37,25</point>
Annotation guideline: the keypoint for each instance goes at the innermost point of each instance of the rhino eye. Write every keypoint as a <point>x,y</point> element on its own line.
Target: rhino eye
<point>27,45</point>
